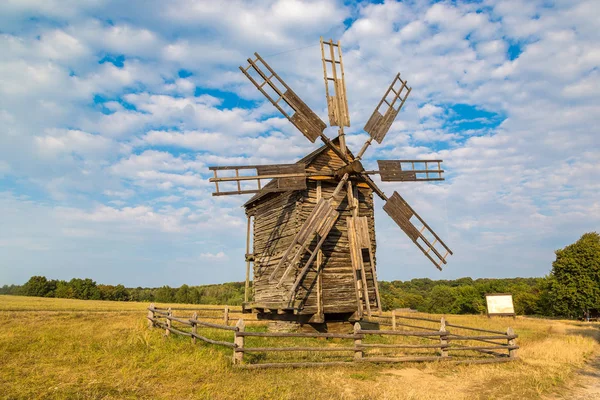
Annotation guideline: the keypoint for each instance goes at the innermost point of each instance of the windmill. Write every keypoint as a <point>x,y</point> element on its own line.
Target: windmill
<point>312,223</point>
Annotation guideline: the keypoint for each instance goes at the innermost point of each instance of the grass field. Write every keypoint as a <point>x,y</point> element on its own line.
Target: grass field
<point>74,349</point>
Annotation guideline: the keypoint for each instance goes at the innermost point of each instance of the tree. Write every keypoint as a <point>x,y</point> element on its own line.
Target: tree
<point>37,286</point>
<point>441,300</point>
<point>85,289</point>
<point>165,295</point>
<point>183,294</point>
<point>64,290</point>
<point>120,293</point>
<point>468,301</point>
<point>574,283</point>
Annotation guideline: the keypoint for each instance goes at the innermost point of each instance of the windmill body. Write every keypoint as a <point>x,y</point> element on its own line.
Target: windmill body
<point>312,222</point>
<point>329,285</point>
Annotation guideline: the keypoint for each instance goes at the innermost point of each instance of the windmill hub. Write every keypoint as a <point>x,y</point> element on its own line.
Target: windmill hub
<point>353,168</point>
<point>314,252</point>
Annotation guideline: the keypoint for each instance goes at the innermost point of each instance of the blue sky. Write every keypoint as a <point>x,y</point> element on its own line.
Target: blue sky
<point>110,114</point>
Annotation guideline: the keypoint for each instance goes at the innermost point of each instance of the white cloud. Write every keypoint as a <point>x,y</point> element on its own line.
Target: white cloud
<point>58,141</point>
<point>122,151</point>
<point>212,257</point>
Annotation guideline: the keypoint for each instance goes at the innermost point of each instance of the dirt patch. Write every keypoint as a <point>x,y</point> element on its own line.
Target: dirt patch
<point>410,373</point>
<point>587,386</point>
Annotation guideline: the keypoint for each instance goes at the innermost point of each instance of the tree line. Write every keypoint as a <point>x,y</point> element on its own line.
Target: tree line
<point>86,289</point>
<point>572,288</point>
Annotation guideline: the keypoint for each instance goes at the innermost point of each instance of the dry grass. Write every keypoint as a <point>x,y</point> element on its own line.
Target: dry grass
<point>92,349</point>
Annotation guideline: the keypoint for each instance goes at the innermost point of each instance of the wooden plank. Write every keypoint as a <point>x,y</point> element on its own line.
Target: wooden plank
<point>247,283</point>
<point>502,347</point>
<point>293,349</point>
<point>402,346</point>
<point>402,333</point>
<point>474,329</point>
<point>325,77</point>
<point>181,321</point>
<point>298,365</point>
<point>356,259</point>
<point>211,341</point>
<point>280,169</point>
<point>482,361</point>
<point>256,166</point>
<point>232,309</point>
<point>177,331</point>
<point>401,359</point>
<point>320,315</point>
<point>300,334</point>
<point>304,118</point>
<point>211,325</point>
<point>461,337</point>
<point>236,192</point>
<point>401,213</point>
<point>413,318</point>
<point>286,183</point>
<point>343,114</point>
<point>372,123</point>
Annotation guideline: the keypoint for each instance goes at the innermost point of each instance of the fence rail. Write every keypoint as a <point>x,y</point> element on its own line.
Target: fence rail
<point>361,351</point>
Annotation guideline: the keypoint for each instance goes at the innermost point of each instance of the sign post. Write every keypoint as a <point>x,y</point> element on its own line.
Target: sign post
<point>500,304</point>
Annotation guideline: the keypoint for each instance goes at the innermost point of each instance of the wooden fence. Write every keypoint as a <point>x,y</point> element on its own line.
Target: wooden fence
<point>448,346</point>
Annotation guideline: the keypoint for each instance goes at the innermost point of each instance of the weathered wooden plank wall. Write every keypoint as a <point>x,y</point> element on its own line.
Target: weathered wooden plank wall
<point>277,218</point>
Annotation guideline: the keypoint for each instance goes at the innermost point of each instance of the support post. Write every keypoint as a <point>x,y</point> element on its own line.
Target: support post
<point>358,351</point>
<point>247,287</point>
<point>151,323</point>
<point>512,353</point>
<point>320,313</point>
<point>443,338</point>
<point>194,327</point>
<point>393,320</point>
<point>169,313</point>
<point>226,315</point>
<point>238,341</point>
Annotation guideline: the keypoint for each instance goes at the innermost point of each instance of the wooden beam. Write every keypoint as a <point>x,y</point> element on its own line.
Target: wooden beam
<point>247,286</point>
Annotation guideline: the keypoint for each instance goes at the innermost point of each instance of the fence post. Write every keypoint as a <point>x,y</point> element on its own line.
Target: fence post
<point>358,351</point>
<point>512,353</point>
<point>151,315</point>
<point>443,338</point>
<point>169,313</point>
<point>226,315</point>
<point>393,320</point>
<point>238,356</point>
<point>194,327</point>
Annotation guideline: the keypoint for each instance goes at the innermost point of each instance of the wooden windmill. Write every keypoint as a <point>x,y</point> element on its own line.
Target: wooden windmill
<point>313,221</point>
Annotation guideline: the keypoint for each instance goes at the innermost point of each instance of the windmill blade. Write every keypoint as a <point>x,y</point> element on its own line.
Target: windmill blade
<point>399,210</point>
<point>409,170</point>
<point>301,116</point>
<point>298,113</point>
<point>282,177</point>
<point>384,115</point>
<point>380,122</point>
<point>337,104</point>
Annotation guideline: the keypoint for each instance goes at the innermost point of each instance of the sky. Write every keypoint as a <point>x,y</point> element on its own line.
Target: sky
<point>111,113</point>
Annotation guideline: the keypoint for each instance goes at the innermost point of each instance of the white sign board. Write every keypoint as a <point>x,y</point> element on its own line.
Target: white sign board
<point>500,304</point>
